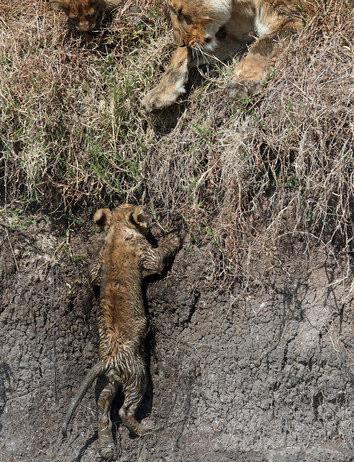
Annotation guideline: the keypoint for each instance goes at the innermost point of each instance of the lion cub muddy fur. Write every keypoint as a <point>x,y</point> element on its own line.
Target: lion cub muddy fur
<point>83,15</point>
<point>220,29</point>
<point>126,258</point>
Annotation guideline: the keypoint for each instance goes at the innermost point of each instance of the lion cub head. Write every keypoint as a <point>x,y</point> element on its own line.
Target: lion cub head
<point>83,15</point>
<point>129,216</point>
<point>196,23</point>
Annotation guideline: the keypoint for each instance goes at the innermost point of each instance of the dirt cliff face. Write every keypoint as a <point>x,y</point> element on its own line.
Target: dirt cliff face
<point>237,375</point>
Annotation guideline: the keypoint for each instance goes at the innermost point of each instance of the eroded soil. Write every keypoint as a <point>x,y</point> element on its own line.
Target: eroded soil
<point>242,375</point>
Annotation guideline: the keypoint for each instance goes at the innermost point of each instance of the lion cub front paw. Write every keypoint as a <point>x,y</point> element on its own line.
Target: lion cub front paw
<point>175,241</point>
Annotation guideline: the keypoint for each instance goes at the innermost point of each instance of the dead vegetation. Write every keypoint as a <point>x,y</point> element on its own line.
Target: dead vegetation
<point>244,178</point>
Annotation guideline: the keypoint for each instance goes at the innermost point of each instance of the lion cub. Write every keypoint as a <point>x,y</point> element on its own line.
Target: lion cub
<point>126,258</point>
<point>83,15</point>
<point>218,29</point>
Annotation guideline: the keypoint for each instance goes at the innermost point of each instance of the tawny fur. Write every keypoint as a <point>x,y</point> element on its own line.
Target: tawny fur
<point>83,15</point>
<point>125,259</point>
<point>219,29</point>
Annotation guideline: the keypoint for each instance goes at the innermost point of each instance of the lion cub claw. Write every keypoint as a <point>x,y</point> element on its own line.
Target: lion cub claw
<point>174,240</point>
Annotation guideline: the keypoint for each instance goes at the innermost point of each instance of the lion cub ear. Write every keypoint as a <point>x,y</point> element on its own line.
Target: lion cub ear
<point>102,217</point>
<point>58,5</point>
<point>140,218</point>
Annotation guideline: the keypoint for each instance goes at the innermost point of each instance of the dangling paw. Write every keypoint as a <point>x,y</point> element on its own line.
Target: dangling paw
<point>161,97</point>
<point>172,83</point>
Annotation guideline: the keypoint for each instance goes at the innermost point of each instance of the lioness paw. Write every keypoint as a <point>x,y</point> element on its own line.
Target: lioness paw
<point>242,90</point>
<point>157,99</point>
<point>152,101</point>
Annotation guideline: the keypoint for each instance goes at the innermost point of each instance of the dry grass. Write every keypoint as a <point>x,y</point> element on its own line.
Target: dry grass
<point>245,179</point>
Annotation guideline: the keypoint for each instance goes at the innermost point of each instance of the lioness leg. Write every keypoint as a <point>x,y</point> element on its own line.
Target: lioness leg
<point>105,436</point>
<point>253,68</point>
<point>172,83</point>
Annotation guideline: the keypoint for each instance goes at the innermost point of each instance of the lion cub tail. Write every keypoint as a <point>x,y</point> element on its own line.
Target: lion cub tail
<point>96,370</point>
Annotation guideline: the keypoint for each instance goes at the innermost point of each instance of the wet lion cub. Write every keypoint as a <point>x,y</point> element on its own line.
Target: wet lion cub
<point>126,258</point>
<point>219,28</point>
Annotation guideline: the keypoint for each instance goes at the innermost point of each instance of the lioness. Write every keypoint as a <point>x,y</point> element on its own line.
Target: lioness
<point>126,258</point>
<point>218,29</point>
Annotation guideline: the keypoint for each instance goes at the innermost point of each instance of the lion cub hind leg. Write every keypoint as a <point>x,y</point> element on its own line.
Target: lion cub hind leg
<point>172,83</point>
<point>105,437</point>
<point>133,394</point>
